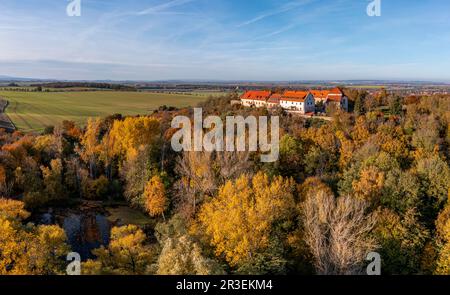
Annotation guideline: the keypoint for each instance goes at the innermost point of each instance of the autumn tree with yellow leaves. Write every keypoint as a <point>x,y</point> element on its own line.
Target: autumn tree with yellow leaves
<point>369,185</point>
<point>126,254</point>
<point>155,198</point>
<point>89,145</point>
<point>53,180</point>
<point>183,256</point>
<point>128,135</point>
<point>240,220</point>
<point>443,241</point>
<point>29,249</point>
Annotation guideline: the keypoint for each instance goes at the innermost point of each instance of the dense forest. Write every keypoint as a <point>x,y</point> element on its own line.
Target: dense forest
<point>374,179</point>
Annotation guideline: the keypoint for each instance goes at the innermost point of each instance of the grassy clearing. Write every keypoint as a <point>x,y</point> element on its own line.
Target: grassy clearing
<point>33,111</point>
<point>126,215</point>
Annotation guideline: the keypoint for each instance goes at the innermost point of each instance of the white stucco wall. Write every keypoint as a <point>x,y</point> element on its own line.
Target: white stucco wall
<point>255,103</point>
<point>292,105</point>
<point>305,107</point>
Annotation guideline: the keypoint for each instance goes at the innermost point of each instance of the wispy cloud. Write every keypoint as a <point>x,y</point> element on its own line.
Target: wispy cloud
<point>284,8</point>
<point>277,32</point>
<point>161,7</point>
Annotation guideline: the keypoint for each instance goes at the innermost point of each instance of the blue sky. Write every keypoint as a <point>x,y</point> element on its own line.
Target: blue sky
<point>226,40</point>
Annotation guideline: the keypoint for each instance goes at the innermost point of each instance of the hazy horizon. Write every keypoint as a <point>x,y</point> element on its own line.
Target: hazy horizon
<point>8,78</point>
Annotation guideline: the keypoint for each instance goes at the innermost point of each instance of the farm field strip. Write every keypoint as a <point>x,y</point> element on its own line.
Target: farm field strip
<point>33,111</point>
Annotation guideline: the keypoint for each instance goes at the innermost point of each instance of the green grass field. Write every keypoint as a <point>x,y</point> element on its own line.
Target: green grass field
<point>33,111</point>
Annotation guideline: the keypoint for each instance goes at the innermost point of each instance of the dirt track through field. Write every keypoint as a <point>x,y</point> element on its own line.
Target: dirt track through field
<point>5,120</point>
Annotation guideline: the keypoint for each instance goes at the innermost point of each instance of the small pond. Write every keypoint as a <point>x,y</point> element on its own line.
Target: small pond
<point>88,229</point>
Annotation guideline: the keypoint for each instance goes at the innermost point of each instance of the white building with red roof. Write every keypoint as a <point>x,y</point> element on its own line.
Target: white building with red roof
<point>255,98</point>
<point>295,100</point>
<point>333,96</point>
<point>274,100</point>
<point>301,101</point>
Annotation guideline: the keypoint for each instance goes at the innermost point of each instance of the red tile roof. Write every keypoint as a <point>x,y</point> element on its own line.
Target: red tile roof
<point>295,95</point>
<point>336,91</point>
<point>320,93</point>
<point>334,94</point>
<point>275,98</point>
<point>256,95</point>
